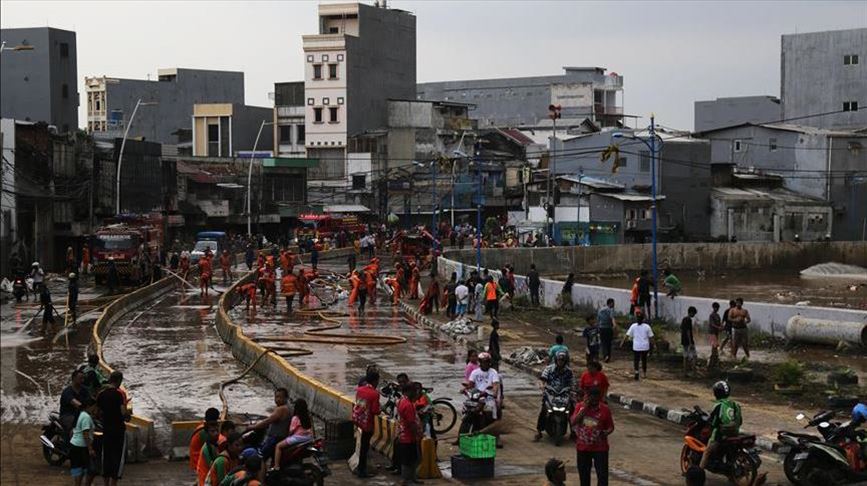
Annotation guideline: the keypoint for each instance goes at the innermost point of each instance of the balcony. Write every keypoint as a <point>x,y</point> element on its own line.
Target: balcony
<point>601,110</point>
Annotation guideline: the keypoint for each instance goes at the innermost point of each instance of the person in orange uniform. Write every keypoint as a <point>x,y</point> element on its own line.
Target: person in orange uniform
<point>226,461</point>
<point>355,281</point>
<point>226,265</point>
<point>415,275</point>
<point>395,289</point>
<point>248,293</point>
<point>400,275</point>
<point>184,268</point>
<point>208,452</point>
<point>290,261</point>
<point>303,287</point>
<point>205,271</point>
<point>200,435</point>
<point>284,261</point>
<point>269,278</point>
<point>288,287</point>
<point>251,474</point>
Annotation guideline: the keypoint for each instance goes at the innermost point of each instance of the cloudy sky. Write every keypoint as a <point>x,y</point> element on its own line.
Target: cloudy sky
<point>670,53</point>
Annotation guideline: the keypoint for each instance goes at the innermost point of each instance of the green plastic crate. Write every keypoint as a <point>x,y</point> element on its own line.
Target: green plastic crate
<point>479,446</point>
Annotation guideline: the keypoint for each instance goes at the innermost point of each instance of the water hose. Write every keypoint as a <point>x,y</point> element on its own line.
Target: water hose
<point>223,385</point>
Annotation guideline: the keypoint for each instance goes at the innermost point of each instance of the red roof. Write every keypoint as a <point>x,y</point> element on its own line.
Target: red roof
<point>517,136</point>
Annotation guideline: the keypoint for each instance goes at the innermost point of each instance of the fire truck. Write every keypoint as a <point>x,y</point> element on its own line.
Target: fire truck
<point>327,226</point>
<point>125,240</point>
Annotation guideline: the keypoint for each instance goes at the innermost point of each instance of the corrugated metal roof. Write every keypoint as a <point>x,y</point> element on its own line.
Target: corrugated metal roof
<point>517,136</point>
<point>345,208</point>
<point>779,194</point>
<point>593,182</point>
<point>631,197</point>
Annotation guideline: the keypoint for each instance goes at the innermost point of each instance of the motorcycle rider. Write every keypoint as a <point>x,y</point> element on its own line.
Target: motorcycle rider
<point>486,380</point>
<point>725,420</point>
<point>558,376</point>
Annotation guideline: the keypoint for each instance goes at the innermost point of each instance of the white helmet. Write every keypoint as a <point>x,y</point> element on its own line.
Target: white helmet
<point>35,264</point>
<point>72,275</point>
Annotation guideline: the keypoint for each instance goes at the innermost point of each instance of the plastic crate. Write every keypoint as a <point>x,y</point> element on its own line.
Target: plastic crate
<point>479,446</point>
<point>467,468</point>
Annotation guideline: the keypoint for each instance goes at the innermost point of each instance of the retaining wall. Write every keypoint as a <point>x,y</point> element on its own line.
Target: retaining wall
<point>766,317</point>
<point>711,257</point>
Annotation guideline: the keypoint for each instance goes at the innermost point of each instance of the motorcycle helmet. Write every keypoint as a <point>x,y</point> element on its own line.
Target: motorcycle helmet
<point>484,356</point>
<point>562,355</point>
<point>72,276</point>
<point>721,389</point>
<point>35,264</point>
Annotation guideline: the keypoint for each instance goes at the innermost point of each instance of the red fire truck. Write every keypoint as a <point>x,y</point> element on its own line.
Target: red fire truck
<point>125,239</point>
<point>327,226</point>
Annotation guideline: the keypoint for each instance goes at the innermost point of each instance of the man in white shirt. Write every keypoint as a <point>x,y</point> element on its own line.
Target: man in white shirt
<point>641,334</point>
<point>462,294</point>
<point>486,379</point>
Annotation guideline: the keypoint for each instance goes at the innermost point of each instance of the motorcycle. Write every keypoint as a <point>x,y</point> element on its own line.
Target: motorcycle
<point>736,458</point>
<point>303,464</point>
<point>557,404</point>
<point>19,288</point>
<point>443,413</point>
<point>55,441</point>
<point>834,458</point>
<point>474,416</point>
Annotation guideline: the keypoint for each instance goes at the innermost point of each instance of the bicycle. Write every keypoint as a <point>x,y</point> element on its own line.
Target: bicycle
<point>443,413</point>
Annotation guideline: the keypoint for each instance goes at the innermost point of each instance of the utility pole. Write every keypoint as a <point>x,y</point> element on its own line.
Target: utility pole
<point>553,114</point>
<point>478,214</point>
<point>250,177</point>
<point>653,212</point>
<point>122,146</point>
<point>434,203</point>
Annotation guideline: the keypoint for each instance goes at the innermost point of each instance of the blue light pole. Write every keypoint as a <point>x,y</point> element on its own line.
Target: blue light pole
<point>479,216</point>
<point>434,204</point>
<point>651,143</point>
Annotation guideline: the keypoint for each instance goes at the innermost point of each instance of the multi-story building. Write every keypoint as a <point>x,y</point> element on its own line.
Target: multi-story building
<point>289,127</point>
<point>582,92</point>
<point>39,79</point>
<point>727,112</point>
<point>110,101</point>
<point>362,56</point>
<point>824,72</point>
<point>225,129</point>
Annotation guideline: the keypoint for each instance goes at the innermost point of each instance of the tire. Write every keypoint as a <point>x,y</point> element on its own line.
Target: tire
<point>744,470</point>
<point>685,458</point>
<point>466,425</point>
<point>444,416</point>
<point>558,428</point>
<point>314,475</point>
<point>789,468</point>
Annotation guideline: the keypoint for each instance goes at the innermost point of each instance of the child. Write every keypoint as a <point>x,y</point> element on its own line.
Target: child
<point>208,453</point>
<point>81,448</point>
<point>594,378</point>
<point>591,334</point>
<point>687,339</point>
<point>300,429</point>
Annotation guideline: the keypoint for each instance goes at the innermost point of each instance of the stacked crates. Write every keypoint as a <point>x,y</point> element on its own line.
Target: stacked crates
<point>476,460</point>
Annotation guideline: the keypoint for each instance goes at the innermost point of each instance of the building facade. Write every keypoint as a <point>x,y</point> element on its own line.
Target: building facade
<point>289,127</point>
<point>726,112</point>
<point>361,56</point>
<point>110,102</point>
<point>824,72</point>
<point>225,129</point>
<point>582,92</point>
<point>40,84</point>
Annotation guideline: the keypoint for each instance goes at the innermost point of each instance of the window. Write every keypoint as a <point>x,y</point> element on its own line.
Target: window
<point>332,115</point>
<point>339,100</point>
<point>630,215</point>
<point>772,144</point>
<point>317,115</point>
<point>64,50</point>
<point>64,90</point>
<point>850,106</point>
<point>311,101</point>
<point>359,182</point>
<point>326,101</point>
<point>333,30</point>
<point>324,57</point>
<point>737,145</point>
<point>213,132</point>
<point>286,133</point>
<point>299,133</point>
<point>97,105</point>
<point>624,161</point>
<point>644,163</point>
<point>850,59</point>
<point>339,57</point>
<point>317,71</point>
<point>310,58</point>
<point>332,71</point>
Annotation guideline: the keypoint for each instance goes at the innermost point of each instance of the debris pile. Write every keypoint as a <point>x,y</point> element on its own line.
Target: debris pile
<point>459,326</point>
<point>528,356</point>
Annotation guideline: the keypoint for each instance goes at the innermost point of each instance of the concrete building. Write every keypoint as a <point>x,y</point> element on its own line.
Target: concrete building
<point>830,165</point>
<point>40,84</point>
<point>225,129</point>
<point>823,72</point>
<point>289,126</point>
<point>582,92</point>
<point>726,112</point>
<point>361,56</point>
<point>110,102</point>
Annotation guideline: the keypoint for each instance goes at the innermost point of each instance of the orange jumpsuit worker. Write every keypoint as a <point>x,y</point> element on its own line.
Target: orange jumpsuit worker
<point>248,293</point>
<point>226,265</point>
<point>395,290</point>
<point>355,281</point>
<point>288,287</point>
<point>415,275</point>
<point>303,288</point>
<point>205,274</point>
<point>284,262</point>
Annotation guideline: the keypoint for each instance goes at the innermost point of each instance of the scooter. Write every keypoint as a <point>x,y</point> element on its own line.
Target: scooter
<point>303,464</point>
<point>474,416</point>
<point>833,459</point>
<point>19,288</point>
<point>557,419</point>
<point>736,458</point>
<point>55,441</point>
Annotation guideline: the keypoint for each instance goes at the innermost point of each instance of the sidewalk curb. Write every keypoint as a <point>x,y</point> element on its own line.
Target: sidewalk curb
<point>677,417</point>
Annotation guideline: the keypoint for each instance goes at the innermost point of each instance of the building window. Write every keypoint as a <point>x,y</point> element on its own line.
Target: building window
<point>332,115</point>
<point>64,50</point>
<point>359,182</point>
<point>738,146</point>
<point>333,30</point>
<point>772,144</point>
<point>850,106</point>
<point>850,59</point>
<point>311,101</point>
<point>213,132</point>
<point>339,57</point>
<point>624,161</point>
<point>326,101</point>
<point>644,163</point>
<point>339,100</point>
<point>286,134</point>
<point>317,71</point>
<point>317,115</point>
<point>300,134</point>
<point>332,71</point>
<point>64,90</point>
<point>324,57</point>
<point>97,105</point>
<point>310,58</point>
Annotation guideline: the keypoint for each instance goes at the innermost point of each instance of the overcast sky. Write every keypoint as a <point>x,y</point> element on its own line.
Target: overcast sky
<point>670,53</point>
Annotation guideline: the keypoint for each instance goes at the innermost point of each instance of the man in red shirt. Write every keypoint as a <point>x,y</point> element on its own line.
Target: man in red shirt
<point>364,414</point>
<point>409,434</point>
<point>592,423</point>
<point>594,378</point>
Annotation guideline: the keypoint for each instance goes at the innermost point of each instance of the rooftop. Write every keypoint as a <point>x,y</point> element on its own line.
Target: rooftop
<point>778,194</point>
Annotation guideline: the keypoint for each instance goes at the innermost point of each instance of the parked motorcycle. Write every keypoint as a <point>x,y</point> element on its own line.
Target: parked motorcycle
<point>19,288</point>
<point>55,441</point>
<point>557,404</point>
<point>736,458</point>
<point>303,464</point>
<point>474,415</point>
<point>834,458</point>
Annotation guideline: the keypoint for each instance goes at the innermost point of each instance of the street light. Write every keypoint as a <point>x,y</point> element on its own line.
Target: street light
<point>650,142</point>
<point>122,146</point>
<point>22,47</point>
<point>250,176</point>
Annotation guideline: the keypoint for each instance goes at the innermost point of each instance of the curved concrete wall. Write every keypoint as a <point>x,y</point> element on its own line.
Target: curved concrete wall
<point>766,317</point>
<point>679,256</point>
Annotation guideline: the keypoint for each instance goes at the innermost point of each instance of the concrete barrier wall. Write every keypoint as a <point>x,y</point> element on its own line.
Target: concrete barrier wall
<point>678,256</point>
<point>766,317</point>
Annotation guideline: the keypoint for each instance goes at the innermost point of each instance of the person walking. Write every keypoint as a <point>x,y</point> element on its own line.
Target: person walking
<point>479,298</point>
<point>566,293</point>
<point>641,335</point>
<point>462,294</point>
<point>644,285</point>
<point>687,340</point>
<point>47,307</point>
<point>492,298</point>
<point>740,318</point>
<point>363,415</point>
<point>85,259</point>
<point>533,283</point>
<point>114,414</point>
<point>409,434</point>
<point>72,292</point>
<point>714,327</point>
<point>591,335</point>
<point>592,423</point>
<point>605,321</point>
<point>494,344</point>
<point>727,325</point>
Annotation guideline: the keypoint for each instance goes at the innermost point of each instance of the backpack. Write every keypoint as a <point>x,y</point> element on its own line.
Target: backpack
<point>361,414</point>
<point>730,419</point>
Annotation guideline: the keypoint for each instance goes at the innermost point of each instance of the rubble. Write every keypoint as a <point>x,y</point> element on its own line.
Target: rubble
<point>528,356</point>
<point>459,326</point>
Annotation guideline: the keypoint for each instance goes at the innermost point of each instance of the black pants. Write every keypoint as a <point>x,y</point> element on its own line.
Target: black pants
<point>362,299</point>
<point>639,356</point>
<point>289,299</point>
<point>543,414</point>
<point>588,460</point>
<point>493,308</point>
<point>606,335</point>
<point>534,296</point>
<point>362,452</point>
